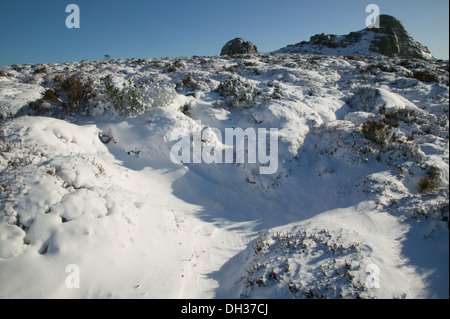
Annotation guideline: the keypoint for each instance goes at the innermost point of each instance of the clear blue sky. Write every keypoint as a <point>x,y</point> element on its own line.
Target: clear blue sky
<point>35,31</point>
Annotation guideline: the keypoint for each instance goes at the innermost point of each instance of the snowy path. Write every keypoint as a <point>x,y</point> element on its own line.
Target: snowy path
<point>175,249</point>
<point>182,249</point>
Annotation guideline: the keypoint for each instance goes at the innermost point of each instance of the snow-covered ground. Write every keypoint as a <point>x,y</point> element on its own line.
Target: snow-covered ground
<point>358,207</point>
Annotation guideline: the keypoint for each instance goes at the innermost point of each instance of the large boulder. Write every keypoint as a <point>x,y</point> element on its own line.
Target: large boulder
<point>238,46</point>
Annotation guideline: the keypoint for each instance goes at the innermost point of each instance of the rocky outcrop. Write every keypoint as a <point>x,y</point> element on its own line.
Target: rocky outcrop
<point>390,39</point>
<point>238,46</point>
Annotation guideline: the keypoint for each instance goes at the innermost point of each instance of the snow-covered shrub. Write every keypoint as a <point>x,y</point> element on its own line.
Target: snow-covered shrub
<point>136,99</point>
<point>430,182</point>
<point>277,93</point>
<point>423,122</point>
<point>77,91</point>
<point>68,97</point>
<point>124,101</point>
<point>188,82</point>
<point>40,69</point>
<point>363,100</point>
<point>377,132</point>
<point>177,65</point>
<point>238,92</point>
<point>17,68</point>
<point>5,112</point>
<point>58,78</point>
<point>186,108</point>
<point>426,76</point>
<point>50,95</point>
<point>284,262</point>
<point>157,95</point>
<point>383,66</point>
<point>16,154</point>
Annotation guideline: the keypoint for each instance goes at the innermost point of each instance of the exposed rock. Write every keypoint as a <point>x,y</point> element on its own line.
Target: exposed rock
<point>394,40</point>
<point>238,46</point>
<point>391,39</point>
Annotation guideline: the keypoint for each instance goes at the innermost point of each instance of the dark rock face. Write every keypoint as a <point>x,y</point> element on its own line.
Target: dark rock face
<point>394,40</point>
<point>238,46</point>
<point>333,41</point>
<point>327,40</point>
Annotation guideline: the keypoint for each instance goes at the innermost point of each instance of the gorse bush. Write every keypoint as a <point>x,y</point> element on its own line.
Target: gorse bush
<point>363,99</point>
<point>430,182</point>
<point>157,95</point>
<point>77,93</point>
<point>394,117</point>
<point>238,92</point>
<point>377,132</point>
<point>137,99</point>
<point>123,100</point>
<point>70,96</point>
<point>76,90</point>
<point>40,69</point>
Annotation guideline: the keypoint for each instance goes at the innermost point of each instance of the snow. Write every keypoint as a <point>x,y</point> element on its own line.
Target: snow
<point>138,225</point>
<point>360,48</point>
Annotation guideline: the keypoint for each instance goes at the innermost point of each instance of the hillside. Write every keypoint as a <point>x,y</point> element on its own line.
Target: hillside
<point>357,207</point>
